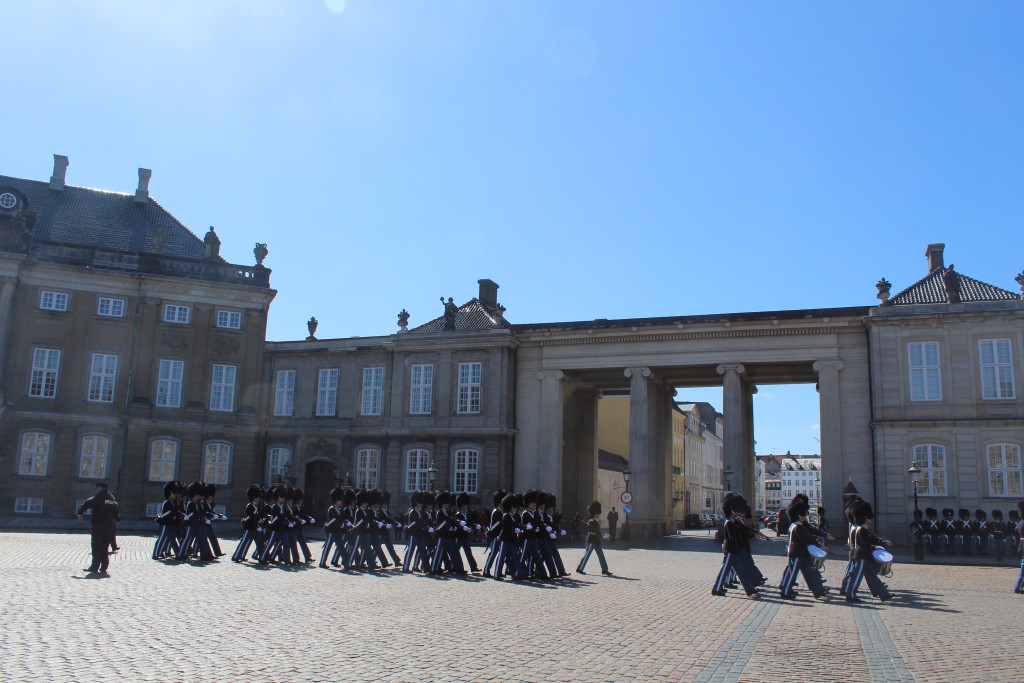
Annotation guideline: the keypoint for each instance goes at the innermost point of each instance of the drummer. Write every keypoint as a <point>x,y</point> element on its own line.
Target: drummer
<point>862,546</point>
<point>802,538</point>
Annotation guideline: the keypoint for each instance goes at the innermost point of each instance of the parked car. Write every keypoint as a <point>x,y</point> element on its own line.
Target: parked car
<point>692,521</point>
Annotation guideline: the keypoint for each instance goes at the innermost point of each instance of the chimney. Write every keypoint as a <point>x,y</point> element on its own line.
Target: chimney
<point>142,191</point>
<point>488,293</point>
<point>934,254</point>
<point>60,170</point>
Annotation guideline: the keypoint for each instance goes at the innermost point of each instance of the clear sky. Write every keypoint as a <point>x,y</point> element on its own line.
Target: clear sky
<point>596,159</point>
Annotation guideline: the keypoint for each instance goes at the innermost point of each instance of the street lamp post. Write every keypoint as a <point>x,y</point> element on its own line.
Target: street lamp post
<point>913,471</point>
<point>432,472</point>
<point>728,478</point>
<point>626,474</point>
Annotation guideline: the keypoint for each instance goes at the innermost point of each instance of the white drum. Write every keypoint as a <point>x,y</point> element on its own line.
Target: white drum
<point>817,556</point>
<point>883,561</point>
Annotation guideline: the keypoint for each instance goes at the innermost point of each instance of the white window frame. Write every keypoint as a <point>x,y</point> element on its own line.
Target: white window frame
<point>229,320</point>
<point>94,456</point>
<point>217,462</point>
<point>177,314</point>
<point>222,387</point>
<point>154,510</point>
<point>34,453</point>
<point>367,468</point>
<point>997,381</point>
<point>421,389</point>
<point>466,473</point>
<point>933,480</point>
<point>284,396</point>
<point>279,460</point>
<point>50,300</point>
<point>373,391</point>
<point>1005,475</point>
<point>26,505</point>
<point>45,375</point>
<point>114,308</point>
<point>168,459</point>
<point>102,378</point>
<point>170,383</point>
<point>925,374</point>
<point>469,390</point>
<point>417,469</point>
<point>327,393</point>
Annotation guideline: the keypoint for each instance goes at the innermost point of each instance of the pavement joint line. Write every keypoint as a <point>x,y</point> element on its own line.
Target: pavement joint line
<point>879,650</point>
<point>732,657</point>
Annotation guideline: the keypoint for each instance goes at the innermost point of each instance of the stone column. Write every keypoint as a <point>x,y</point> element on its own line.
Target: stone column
<point>587,477</point>
<point>737,409</point>
<point>646,459</point>
<point>831,439</point>
<point>6,318</point>
<point>552,405</point>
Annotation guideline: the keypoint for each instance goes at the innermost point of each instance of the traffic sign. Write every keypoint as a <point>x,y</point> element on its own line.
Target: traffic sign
<point>626,497</point>
<point>626,509</point>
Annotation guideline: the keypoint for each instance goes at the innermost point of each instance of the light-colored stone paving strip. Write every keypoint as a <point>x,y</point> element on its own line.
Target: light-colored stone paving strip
<point>885,663</point>
<point>731,659</point>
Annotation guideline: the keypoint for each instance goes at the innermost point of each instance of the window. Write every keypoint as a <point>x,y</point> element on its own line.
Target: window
<point>34,458</point>
<point>102,378</point>
<point>284,399</point>
<point>221,509</point>
<point>53,301</point>
<point>154,509</point>
<point>112,308</point>
<point>931,459</point>
<point>232,320</point>
<point>469,388</point>
<point>163,459</point>
<point>93,463</point>
<point>422,390</point>
<point>1004,473</point>
<point>925,383</point>
<point>168,388</point>
<point>327,392</point>
<point>8,201</point>
<point>417,464</point>
<point>278,462</point>
<point>28,505</point>
<point>45,369</point>
<point>222,388</point>
<point>217,463</point>
<point>174,313</point>
<point>373,390</point>
<point>996,369</point>
<point>367,468</point>
<point>466,460</point>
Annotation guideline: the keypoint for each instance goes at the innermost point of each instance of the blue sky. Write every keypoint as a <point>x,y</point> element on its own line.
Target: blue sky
<point>596,159</point>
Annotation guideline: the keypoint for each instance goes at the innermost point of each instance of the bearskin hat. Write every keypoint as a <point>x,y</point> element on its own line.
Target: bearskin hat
<point>733,503</point>
<point>348,496</point>
<point>520,503</point>
<point>917,514</point>
<point>931,512</point>
<point>820,510</point>
<point>299,493</point>
<point>798,507</point>
<point>848,509</point>
<point>862,511</point>
<point>1014,514</point>
<point>385,497</point>
<point>594,508</point>
<point>443,498</point>
<point>997,514</point>
<point>552,501</point>
<point>498,496</point>
<point>462,499</point>
<point>964,513</point>
<point>362,497</point>
<point>530,497</point>
<point>289,493</point>
<point>947,512</point>
<point>170,488</point>
<point>376,497</point>
<point>508,502</point>
<point>979,515</point>
<point>253,492</point>
<point>194,489</point>
<point>210,490</point>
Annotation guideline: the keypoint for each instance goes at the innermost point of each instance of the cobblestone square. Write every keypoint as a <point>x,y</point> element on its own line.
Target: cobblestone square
<point>655,620</point>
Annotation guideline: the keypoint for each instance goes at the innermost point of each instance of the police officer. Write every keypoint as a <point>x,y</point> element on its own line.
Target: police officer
<point>105,514</point>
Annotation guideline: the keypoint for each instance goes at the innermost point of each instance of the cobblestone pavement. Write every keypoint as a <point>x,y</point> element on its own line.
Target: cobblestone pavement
<point>655,620</point>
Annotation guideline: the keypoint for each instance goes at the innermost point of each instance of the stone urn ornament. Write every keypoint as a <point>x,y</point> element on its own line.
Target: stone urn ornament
<point>311,326</point>
<point>260,251</point>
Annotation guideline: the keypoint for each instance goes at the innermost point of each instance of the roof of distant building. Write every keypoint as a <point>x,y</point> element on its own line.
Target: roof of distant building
<point>606,460</point>
<point>472,316</point>
<point>106,220</point>
<point>931,289</point>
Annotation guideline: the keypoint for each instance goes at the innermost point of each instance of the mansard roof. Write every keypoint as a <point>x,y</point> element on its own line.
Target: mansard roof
<point>86,217</point>
<point>931,289</point>
<point>471,316</point>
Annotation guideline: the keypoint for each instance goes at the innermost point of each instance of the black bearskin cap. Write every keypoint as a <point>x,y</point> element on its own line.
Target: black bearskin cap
<point>362,496</point>
<point>947,512</point>
<point>552,501</point>
<point>195,489</point>
<point>299,493</point>
<point>376,497</point>
<point>594,508</point>
<point>997,514</point>
<point>497,497</point>
<point>443,498</point>
<point>336,494</point>
<point>386,497</point>
<point>462,499</point>
<point>964,513</point>
<point>862,511</point>
<point>253,492</point>
<point>210,490</point>
<point>530,497</point>
<point>979,515</point>
<point>348,496</point>
<point>733,503</point>
<point>289,493</point>
<point>798,507</point>
<point>917,514</point>
<point>416,498</point>
<point>508,502</point>
<point>169,488</point>
<point>931,512</point>
<point>1014,514</point>
<point>848,509</point>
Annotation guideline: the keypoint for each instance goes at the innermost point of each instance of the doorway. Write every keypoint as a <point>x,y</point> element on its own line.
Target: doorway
<point>321,477</point>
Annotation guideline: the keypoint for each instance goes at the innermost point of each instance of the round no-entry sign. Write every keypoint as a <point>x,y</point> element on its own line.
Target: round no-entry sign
<point>626,497</point>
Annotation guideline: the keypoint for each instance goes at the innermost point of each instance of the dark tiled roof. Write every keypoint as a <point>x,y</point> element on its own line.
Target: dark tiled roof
<point>931,289</point>
<point>106,220</point>
<point>472,316</point>
<point>606,460</point>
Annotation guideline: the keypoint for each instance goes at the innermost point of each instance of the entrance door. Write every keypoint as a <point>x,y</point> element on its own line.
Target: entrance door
<point>320,479</point>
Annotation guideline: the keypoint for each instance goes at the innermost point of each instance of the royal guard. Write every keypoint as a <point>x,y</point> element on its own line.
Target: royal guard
<point>252,525</point>
<point>998,527</point>
<point>494,531</point>
<point>167,540</point>
<point>932,531</point>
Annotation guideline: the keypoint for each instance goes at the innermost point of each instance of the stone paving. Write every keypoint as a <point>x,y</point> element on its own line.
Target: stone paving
<point>655,620</point>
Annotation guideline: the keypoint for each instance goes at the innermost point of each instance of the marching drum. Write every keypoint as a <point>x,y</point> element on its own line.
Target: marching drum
<point>883,561</point>
<point>817,556</point>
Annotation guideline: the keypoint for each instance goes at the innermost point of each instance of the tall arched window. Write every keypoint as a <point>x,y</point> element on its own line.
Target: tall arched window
<point>1004,469</point>
<point>217,463</point>
<point>467,461</point>
<point>367,468</point>
<point>163,459</point>
<point>93,462</point>
<point>279,460</point>
<point>34,455</point>
<point>417,466</point>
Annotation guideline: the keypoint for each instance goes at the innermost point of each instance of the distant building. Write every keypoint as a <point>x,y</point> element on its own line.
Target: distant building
<point>800,474</point>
